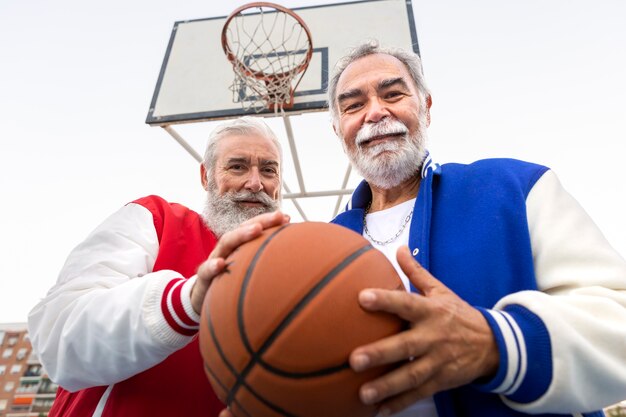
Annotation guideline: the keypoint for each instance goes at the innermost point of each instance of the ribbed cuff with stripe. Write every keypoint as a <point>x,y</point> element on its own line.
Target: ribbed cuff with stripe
<point>176,306</point>
<point>525,371</point>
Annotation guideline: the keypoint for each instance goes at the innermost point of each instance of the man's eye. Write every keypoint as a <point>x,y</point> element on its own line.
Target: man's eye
<point>393,94</point>
<point>352,107</point>
<point>236,167</point>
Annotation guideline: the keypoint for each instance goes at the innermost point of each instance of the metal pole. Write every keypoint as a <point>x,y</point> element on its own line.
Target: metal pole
<point>330,193</point>
<point>343,187</point>
<point>182,142</point>
<point>294,151</point>
<point>295,202</point>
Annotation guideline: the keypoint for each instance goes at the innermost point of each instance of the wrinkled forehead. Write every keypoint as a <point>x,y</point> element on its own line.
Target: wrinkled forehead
<point>371,70</point>
<point>252,147</point>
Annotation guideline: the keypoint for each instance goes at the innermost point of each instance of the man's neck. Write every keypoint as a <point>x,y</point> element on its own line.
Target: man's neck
<point>386,198</point>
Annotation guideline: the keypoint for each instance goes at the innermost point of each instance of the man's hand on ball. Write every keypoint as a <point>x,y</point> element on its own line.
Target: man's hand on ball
<point>448,344</point>
<point>226,413</point>
<point>227,244</point>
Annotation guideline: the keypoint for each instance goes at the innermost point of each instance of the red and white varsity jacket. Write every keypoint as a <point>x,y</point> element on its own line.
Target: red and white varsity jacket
<point>117,332</point>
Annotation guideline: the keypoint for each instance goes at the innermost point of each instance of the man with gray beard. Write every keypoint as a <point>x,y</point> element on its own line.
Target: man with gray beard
<point>515,300</point>
<point>118,330</point>
<point>236,191</point>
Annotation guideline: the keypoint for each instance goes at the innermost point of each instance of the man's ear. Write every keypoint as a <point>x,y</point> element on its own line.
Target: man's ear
<point>429,102</point>
<point>203,178</point>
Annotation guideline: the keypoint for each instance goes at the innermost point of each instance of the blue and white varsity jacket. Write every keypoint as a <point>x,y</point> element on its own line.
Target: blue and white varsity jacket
<point>506,237</point>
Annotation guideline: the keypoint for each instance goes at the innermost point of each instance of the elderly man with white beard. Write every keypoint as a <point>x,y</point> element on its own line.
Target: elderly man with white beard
<point>516,301</point>
<point>118,330</point>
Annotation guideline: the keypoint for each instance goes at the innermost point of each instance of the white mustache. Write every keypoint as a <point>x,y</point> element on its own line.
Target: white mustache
<point>385,127</point>
<point>258,197</point>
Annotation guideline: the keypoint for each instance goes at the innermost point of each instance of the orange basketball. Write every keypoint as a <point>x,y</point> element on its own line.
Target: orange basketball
<point>278,327</point>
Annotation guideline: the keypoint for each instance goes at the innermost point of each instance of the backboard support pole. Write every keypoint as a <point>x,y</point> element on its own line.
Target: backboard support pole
<point>295,202</point>
<point>294,151</point>
<point>344,184</point>
<point>182,142</point>
<point>313,194</point>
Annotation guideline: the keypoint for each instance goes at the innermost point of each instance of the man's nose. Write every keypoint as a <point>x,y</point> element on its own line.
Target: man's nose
<point>253,182</point>
<point>376,111</point>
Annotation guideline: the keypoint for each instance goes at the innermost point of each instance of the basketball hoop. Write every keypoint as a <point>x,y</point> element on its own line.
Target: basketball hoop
<point>270,50</point>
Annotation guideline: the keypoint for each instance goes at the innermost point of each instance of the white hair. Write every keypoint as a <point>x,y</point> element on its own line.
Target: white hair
<point>245,125</point>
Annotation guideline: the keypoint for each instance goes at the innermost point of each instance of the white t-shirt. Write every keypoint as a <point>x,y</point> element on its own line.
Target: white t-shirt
<point>383,225</point>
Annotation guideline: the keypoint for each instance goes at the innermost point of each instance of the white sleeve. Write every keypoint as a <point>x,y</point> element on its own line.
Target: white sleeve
<point>581,302</point>
<point>103,321</point>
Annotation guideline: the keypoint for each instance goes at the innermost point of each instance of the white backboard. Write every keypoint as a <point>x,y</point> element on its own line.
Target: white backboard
<point>195,78</point>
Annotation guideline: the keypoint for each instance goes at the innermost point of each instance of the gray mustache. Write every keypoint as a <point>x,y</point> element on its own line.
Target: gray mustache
<point>383,128</point>
<point>259,197</point>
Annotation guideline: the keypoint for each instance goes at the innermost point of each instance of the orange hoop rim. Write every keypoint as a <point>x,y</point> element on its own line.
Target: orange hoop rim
<point>260,74</point>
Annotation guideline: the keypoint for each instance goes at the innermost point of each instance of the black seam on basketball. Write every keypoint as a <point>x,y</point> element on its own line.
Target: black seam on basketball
<point>209,370</point>
<point>242,333</point>
<point>231,368</point>
<point>268,403</point>
<point>296,310</point>
<point>302,375</point>
<point>256,356</point>
<point>244,288</point>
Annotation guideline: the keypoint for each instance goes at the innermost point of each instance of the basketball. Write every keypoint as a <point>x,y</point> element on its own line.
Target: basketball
<point>278,326</point>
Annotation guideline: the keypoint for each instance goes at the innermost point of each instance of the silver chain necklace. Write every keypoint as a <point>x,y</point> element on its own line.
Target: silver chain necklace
<point>378,242</point>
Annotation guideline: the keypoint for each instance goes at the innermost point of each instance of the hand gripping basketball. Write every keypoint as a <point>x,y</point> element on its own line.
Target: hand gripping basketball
<point>215,264</point>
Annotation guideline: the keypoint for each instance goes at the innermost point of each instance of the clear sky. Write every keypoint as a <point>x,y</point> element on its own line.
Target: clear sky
<point>536,80</point>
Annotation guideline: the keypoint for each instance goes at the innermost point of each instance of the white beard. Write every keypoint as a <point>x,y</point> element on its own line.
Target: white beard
<point>223,213</point>
<point>388,164</point>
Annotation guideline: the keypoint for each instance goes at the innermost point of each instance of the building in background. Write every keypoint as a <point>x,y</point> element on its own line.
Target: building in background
<point>618,410</point>
<point>25,389</point>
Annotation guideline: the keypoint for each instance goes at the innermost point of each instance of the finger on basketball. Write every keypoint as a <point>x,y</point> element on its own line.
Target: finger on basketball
<point>247,231</point>
<point>400,387</point>
<point>208,270</point>
<point>393,349</point>
<point>226,413</point>
<point>267,220</point>
<point>397,403</point>
<point>211,268</point>
<point>407,306</point>
<point>235,238</point>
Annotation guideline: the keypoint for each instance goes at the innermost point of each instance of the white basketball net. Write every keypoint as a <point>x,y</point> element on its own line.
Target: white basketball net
<point>271,49</point>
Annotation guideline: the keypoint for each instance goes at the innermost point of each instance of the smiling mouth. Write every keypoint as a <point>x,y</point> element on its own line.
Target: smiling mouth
<point>380,138</point>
